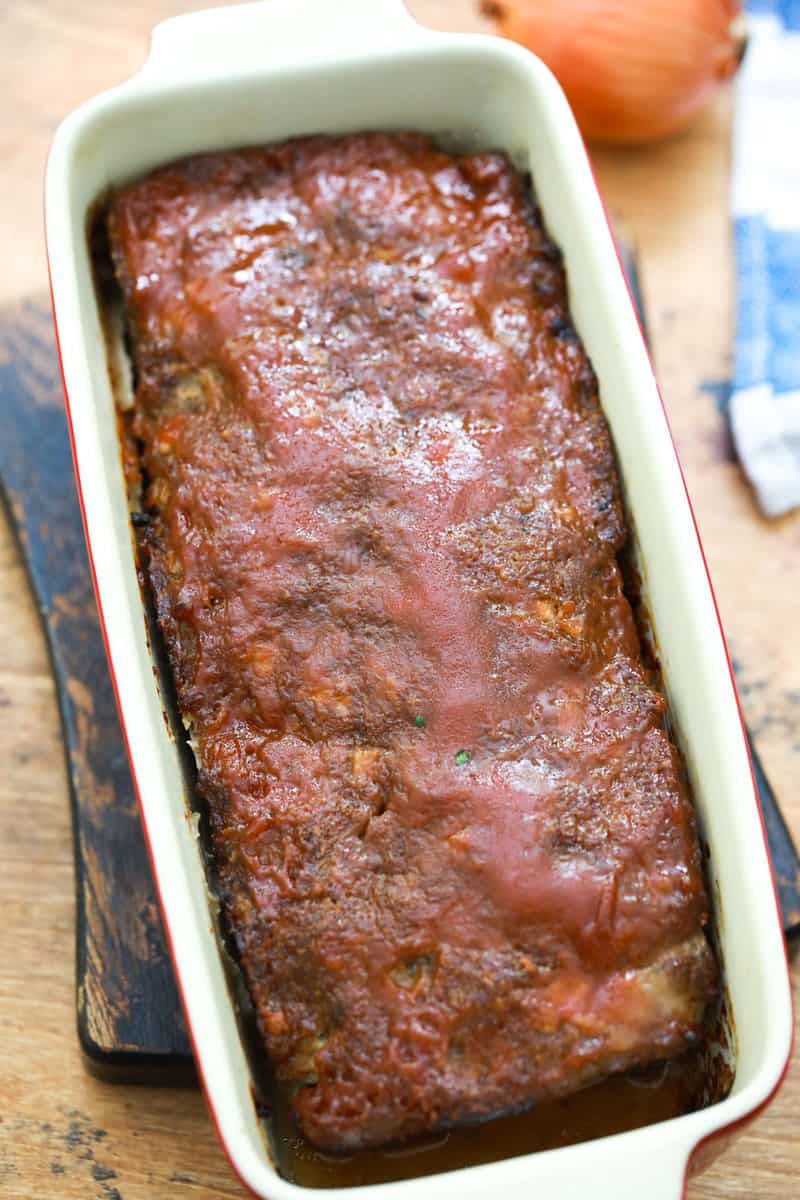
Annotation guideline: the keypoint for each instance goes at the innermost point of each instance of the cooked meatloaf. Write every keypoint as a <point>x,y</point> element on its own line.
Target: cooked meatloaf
<point>450,832</point>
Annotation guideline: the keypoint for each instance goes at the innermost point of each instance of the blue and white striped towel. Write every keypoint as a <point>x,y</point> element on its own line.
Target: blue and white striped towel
<point>765,397</point>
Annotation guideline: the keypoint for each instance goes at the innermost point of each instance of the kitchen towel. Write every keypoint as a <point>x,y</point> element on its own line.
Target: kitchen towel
<point>765,395</point>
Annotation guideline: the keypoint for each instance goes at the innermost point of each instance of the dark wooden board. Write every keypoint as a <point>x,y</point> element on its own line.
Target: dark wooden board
<point>130,1022</point>
<point>785,863</point>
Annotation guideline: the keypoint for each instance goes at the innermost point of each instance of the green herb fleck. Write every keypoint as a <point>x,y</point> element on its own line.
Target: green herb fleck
<point>462,757</point>
<point>419,721</point>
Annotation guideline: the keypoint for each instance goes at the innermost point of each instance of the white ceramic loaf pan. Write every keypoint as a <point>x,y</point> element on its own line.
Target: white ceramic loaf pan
<point>264,72</point>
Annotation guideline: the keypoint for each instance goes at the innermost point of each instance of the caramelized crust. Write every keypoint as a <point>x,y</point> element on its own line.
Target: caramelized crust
<point>450,831</point>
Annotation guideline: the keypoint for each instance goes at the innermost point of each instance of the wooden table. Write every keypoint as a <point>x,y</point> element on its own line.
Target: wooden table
<point>62,1133</point>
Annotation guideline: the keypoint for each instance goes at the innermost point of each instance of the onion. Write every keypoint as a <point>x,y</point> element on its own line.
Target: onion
<point>633,70</point>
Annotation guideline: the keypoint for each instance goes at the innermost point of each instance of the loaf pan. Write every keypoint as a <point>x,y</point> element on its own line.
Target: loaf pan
<point>261,73</point>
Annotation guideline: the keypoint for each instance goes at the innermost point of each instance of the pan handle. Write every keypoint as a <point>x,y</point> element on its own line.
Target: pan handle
<point>276,33</point>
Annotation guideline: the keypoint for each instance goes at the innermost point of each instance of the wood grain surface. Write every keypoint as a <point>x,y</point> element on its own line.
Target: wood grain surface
<point>64,1133</point>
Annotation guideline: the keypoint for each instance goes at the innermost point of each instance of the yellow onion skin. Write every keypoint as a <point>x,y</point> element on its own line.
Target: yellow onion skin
<point>633,70</point>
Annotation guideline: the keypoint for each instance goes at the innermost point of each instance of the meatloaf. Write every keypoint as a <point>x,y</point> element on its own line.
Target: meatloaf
<point>382,520</point>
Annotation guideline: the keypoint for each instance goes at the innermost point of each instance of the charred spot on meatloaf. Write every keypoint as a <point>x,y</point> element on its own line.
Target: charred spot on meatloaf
<point>451,834</point>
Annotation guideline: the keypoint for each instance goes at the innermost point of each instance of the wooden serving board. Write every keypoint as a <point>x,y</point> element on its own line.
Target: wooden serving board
<point>130,1022</point>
